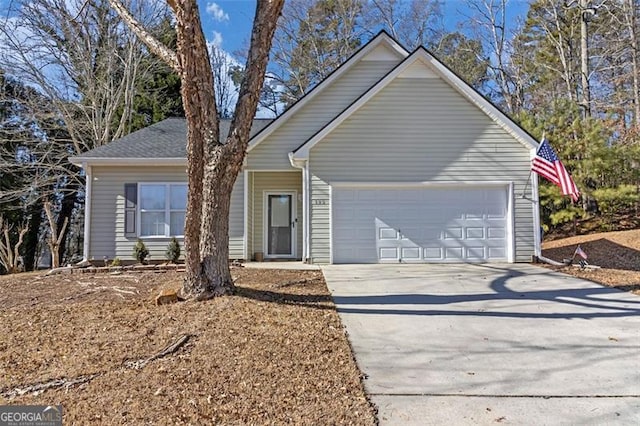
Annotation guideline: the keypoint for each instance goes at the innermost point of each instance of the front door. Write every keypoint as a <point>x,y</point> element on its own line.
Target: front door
<point>280,224</point>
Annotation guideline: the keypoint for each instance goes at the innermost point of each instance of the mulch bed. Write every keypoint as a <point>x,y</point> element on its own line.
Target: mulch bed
<point>617,253</point>
<point>274,353</point>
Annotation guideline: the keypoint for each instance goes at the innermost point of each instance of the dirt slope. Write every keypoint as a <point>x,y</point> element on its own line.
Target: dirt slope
<point>274,353</point>
<point>618,253</point>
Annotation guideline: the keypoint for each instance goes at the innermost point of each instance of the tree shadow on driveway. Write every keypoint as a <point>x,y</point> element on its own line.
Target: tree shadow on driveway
<point>595,302</point>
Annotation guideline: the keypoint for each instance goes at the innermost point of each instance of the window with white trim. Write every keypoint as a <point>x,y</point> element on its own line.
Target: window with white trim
<point>162,209</point>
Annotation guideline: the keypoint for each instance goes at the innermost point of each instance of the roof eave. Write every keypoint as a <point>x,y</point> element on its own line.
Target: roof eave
<point>118,161</point>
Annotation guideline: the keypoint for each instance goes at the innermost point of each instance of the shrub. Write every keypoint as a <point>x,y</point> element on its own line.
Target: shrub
<point>140,251</point>
<point>116,262</point>
<point>173,250</point>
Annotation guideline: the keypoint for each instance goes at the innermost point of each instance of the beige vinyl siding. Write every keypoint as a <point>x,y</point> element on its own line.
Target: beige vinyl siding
<point>272,153</point>
<point>250,208</point>
<point>236,220</point>
<point>274,182</point>
<point>107,236</point>
<point>419,130</point>
<point>320,228</point>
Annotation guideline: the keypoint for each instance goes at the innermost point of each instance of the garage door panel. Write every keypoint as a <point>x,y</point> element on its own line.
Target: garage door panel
<point>473,233</point>
<point>496,233</point>
<point>475,253</point>
<point>453,253</point>
<point>388,253</point>
<point>432,253</point>
<point>410,253</point>
<point>387,234</point>
<point>453,234</point>
<point>419,225</point>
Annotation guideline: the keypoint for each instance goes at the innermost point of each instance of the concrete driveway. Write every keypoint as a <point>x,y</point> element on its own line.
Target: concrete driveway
<point>487,344</point>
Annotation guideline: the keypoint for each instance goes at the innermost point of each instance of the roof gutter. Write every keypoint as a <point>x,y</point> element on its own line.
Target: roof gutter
<point>114,161</point>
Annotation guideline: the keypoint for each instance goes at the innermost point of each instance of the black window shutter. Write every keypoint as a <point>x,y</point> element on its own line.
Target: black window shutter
<point>130,203</point>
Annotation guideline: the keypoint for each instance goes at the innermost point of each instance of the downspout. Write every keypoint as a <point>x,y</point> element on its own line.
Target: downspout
<point>87,210</point>
<point>536,224</point>
<point>245,218</point>
<point>537,249</point>
<point>306,201</point>
<point>304,166</point>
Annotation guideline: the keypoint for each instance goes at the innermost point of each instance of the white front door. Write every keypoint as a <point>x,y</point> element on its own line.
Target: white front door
<point>280,222</point>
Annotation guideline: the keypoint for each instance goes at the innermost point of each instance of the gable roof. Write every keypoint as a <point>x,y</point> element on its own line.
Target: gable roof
<point>381,39</point>
<point>440,70</point>
<point>164,142</point>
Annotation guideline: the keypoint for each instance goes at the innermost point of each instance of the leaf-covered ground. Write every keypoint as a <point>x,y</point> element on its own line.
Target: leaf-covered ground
<point>275,353</point>
<point>617,253</point>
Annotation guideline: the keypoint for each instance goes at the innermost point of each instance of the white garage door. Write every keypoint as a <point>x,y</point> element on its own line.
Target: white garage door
<point>460,224</point>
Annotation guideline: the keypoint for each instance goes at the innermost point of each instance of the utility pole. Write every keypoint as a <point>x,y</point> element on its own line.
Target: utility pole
<point>584,56</point>
<point>586,13</point>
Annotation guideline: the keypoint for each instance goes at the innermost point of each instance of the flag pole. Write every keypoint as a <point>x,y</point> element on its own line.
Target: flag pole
<point>526,185</point>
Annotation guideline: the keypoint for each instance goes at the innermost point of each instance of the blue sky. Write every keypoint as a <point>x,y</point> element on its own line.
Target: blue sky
<point>229,21</point>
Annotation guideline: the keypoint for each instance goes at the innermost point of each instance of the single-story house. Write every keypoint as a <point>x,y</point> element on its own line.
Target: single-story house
<point>392,158</point>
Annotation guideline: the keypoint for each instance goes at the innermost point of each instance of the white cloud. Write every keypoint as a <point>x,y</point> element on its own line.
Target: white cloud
<point>216,11</point>
<point>217,39</point>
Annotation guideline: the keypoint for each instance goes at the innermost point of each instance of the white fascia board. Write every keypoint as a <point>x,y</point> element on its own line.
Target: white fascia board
<point>342,69</point>
<point>110,161</point>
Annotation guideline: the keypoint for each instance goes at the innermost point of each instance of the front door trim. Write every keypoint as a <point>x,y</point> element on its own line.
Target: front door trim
<point>294,224</point>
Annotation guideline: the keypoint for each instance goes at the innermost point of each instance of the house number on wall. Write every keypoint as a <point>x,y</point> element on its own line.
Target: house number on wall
<point>320,202</point>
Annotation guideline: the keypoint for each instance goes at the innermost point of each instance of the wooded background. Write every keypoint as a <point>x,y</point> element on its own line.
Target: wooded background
<point>73,77</point>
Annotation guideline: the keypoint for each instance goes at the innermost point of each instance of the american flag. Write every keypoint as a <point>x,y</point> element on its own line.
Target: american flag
<point>547,164</point>
<point>580,252</point>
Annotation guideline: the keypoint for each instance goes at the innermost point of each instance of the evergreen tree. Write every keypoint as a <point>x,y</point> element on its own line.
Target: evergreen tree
<point>465,57</point>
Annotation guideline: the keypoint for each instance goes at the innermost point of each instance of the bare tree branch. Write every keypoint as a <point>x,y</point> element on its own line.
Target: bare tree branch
<point>162,51</point>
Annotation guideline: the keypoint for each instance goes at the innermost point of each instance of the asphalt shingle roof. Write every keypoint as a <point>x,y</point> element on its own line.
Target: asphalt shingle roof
<point>165,139</point>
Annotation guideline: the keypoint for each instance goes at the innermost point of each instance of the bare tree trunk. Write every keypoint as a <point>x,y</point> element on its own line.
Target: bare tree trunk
<point>207,219</point>
<point>64,215</point>
<point>10,254</point>
<point>31,237</point>
<point>490,20</point>
<point>214,249</point>
<point>223,162</point>
<point>55,237</point>
<point>203,132</point>
<point>635,58</point>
